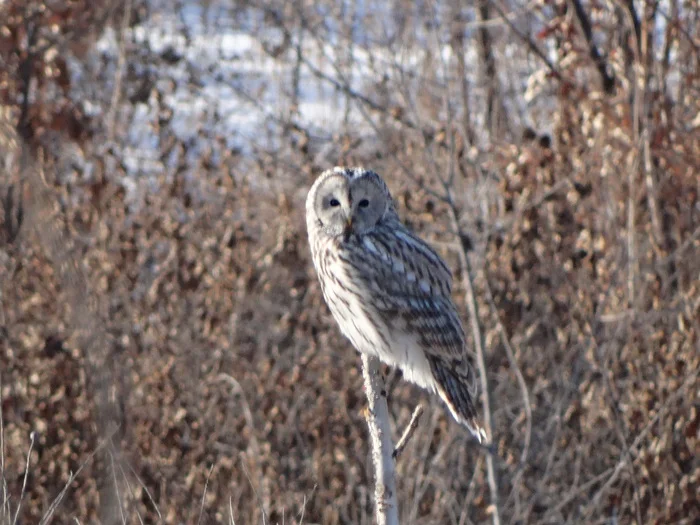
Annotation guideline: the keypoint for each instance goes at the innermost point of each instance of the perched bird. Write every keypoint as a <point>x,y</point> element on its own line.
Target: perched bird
<point>387,289</point>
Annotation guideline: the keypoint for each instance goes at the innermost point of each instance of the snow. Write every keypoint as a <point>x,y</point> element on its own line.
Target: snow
<point>214,87</point>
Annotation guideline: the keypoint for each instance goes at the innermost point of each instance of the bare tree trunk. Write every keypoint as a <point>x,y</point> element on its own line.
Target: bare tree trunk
<point>386,508</point>
<point>459,48</point>
<point>489,76</point>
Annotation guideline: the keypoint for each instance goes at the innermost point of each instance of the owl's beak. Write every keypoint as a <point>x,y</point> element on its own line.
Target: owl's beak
<point>348,229</point>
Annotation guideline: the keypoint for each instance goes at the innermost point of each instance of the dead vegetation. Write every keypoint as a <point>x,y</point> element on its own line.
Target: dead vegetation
<point>228,391</point>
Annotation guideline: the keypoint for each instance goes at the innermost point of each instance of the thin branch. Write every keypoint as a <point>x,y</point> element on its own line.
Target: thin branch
<point>386,506</point>
<point>32,438</point>
<point>649,179</point>
<point>230,512</point>
<point>408,433</point>
<point>204,495</point>
<point>116,488</point>
<point>518,374</point>
<point>119,73</point>
<point>133,498</point>
<point>145,488</point>
<point>468,283</point>
<point>255,492</point>
<point>46,519</point>
<point>571,495</point>
<point>632,262</point>
<point>48,516</point>
<point>5,497</point>
<point>302,513</point>
<point>607,79</point>
<point>525,38</point>
<point>468,280</point>
<point>629,4</point>
<point>627,454</point>
<point>339,81</point>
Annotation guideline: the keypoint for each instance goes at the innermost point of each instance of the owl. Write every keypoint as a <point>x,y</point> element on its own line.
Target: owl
<point>388,290</point>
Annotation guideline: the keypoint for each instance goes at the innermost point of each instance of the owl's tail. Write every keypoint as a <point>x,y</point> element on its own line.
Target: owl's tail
<point>456,386</point>
<point>470,422</point>
<point>474,427</point>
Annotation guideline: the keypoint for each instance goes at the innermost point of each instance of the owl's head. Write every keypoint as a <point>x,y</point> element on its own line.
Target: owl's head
<point>345,201</point>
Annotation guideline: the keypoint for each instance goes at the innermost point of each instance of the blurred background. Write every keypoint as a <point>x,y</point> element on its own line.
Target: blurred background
<point>165,353</point>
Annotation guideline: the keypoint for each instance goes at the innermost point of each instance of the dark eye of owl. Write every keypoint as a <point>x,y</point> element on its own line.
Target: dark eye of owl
<point>363,203</point>
<point>335,202</point>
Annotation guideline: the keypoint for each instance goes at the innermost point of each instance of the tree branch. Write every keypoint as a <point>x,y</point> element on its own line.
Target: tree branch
<point>468,280</point>
<point>386,508</point>
<point>525,38</point>
<point>607,79</point>
<point>408,433</point>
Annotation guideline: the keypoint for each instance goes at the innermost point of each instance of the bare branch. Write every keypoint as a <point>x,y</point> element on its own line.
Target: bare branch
<point>48,516</point>
<point>32,438</point>
<point>386,506</point>
<point>119,73</point>
<point>204,495</point>
<point>468,283</point>
<point>408,433</point>
<point>518,374</point>
<point>525,38</point>
<point>606,77</point>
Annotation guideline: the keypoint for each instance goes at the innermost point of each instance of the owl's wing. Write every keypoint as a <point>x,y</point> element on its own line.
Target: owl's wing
<point>407,281</point>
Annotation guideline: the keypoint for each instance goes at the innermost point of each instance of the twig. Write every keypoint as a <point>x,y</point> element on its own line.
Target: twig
<point>119,464</point>
<point>636,25</point>
<point>626,454</point>
<point>470,491</point>
<point>386,507</point>
<point>204,495</point>
<point>116,488</point>
<point>119,73</point>
<point>525,38</point>
<point>230,512</point>
<point>255,492</point>
<point>479,343</point>
<point>632,262</point>
<point>48,516</point>
<point>649,178</point>
<point>607,79</point>
<point>408,433</point>
<point>468,280</point>
<point>523,389</point>
<point>32,437</point>
<point>145,488</point>
<point>5,497</point>
<point>687,243</point>
<point>574,493</point>
<point>46,519</point>
<point>255,454</point>
<point>603,364</point>
<point>302,513</point>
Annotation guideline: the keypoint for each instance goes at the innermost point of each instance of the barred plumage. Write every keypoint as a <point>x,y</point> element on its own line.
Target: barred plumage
<point>389,292</point>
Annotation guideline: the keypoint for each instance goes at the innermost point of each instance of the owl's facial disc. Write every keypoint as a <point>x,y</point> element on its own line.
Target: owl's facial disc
<point>333,205</point>
<point>346,206</point>
<point>368,204</point>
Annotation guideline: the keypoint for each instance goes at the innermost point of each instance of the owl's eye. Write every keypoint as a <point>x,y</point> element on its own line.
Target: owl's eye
<point>334,203</point>
<point>363,203</point>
